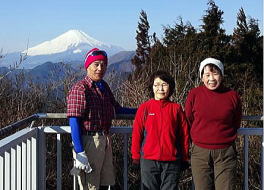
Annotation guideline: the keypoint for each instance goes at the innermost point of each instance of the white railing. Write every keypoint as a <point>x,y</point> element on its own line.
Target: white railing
<point>18,161</point>
<point>23,154</point>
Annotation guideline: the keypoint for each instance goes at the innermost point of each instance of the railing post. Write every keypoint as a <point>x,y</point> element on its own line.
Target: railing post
<point>19,166</point>
<point>246,162</point>
<point>34,168</point>
<point>75,183</point>
<point>29,164</point>
<point>125,174</point>
<point>2,164</point>
<point>7,170</point>
<point>24,165</point>
<point>13,169</point>
<point>59,160</point>
<point>193,186</point>
<point>262,163</point>
<point>41,159</point>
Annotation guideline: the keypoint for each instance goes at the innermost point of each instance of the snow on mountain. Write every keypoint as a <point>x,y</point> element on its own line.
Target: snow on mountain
<point>69,47</point>
<point>69,40</point>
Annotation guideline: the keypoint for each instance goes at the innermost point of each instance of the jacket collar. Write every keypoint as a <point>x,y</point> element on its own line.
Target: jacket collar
<point>160,102</point>
<point>90,82</point>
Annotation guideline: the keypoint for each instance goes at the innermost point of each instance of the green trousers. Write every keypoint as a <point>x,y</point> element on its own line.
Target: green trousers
<point>213,169</point>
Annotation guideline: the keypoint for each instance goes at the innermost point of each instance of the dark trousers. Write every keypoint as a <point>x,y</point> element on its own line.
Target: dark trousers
<point>160,175</point>
<point>213,169</point>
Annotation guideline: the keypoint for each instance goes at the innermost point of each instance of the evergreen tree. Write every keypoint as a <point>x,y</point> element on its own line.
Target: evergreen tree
<point>212,20</point>
<point>212,35</point>
<point>247,42</point>
<point>240,35</point>
<point>178,33</point>
<point>174,35</point>
<point>141,59</point>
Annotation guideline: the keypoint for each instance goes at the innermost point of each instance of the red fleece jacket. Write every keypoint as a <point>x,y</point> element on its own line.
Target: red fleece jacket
<point>160,132</point>
<point>214,116</point>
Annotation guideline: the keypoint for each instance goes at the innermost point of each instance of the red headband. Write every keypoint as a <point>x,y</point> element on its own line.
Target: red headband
<point>94,55</point>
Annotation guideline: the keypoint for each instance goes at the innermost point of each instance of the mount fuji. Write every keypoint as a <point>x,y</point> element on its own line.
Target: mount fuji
<point>69,47</point>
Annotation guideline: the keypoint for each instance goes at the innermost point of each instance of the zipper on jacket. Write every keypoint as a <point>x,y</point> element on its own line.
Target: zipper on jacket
<point>161,134</point>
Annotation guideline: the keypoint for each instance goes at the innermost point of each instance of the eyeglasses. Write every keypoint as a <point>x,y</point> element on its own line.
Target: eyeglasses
<point>98,52</point>
<point>164,85</point>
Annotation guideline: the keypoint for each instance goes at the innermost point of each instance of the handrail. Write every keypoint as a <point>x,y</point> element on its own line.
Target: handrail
<point>18,124</point>
<point>36,116</point>
<point>64,116</point>
<point>252,118</point>
<point>130,116</point>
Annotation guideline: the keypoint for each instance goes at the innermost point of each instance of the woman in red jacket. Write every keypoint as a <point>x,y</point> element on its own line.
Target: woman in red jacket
<point>214,114</point>
<point>160,138</point>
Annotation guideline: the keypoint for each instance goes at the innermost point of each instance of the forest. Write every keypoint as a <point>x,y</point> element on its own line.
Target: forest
<point>179,52</point>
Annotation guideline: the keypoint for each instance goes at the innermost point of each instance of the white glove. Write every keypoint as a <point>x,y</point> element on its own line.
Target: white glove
<point>82,162</point>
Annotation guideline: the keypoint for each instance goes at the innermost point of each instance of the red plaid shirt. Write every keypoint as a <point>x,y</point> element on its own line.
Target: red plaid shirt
<point>95,108</point>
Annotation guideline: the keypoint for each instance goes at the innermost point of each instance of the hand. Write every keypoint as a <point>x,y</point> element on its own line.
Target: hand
<point>82,162</point>
<point>135,164</point>
<point>185,165</point>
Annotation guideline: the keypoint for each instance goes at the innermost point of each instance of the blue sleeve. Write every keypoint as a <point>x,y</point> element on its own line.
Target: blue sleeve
<point>76,134</point>
<point>123,110</point>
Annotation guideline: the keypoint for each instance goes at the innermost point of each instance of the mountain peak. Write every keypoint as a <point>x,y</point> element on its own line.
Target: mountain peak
<point>77,34</point>
<point>68,40</point>
<point>77,37</point>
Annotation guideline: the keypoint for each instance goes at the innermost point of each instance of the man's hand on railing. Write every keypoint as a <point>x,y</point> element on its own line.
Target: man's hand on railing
<point>135,165</point>
<point>82,162</point>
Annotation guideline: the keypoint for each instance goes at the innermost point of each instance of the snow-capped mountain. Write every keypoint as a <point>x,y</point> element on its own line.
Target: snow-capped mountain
<point>68,47</point>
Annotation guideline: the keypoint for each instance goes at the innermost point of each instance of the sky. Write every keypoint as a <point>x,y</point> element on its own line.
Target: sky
<point>30,22</point>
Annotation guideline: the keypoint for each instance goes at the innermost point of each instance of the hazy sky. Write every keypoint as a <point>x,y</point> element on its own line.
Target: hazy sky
<point>111,21</point>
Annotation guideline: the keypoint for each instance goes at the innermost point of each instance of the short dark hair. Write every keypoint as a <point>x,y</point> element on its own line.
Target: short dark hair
<point>212,68</point>
<point>163,75</point>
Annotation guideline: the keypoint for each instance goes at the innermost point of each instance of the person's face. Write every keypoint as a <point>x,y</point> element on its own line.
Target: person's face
<point>161,89</point>
<point>211,79</point>
<point>96,70</point>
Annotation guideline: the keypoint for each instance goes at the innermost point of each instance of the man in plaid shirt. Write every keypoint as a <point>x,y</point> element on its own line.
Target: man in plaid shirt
<point>91,107</point>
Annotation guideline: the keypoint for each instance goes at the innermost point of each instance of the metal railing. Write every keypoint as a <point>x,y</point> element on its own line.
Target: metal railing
<point>23,154</point>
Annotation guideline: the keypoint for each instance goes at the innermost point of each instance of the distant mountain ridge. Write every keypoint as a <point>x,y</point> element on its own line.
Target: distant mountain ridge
<point>121,56</point>
<point>68,47</point>
<point>121,62</point>
<point>118,70</point>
